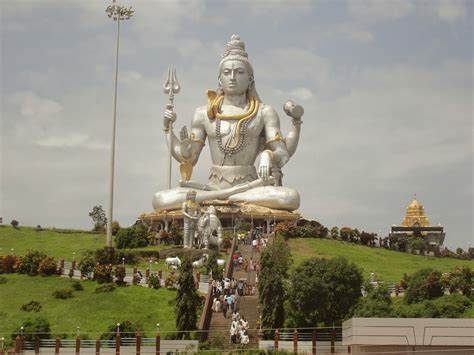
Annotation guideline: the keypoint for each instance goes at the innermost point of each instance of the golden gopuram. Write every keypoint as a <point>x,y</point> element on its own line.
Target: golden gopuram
<point>416,224</point>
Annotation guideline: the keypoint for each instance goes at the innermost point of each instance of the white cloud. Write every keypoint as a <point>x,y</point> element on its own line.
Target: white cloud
<point>73,140</point>
<point>351,32</point>
<point>31,105</point>
<point>380,10</point>
<point>450,10</point>
<point>293,63</point>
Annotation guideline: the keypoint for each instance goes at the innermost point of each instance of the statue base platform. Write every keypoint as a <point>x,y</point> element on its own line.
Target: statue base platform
<point>230,213</point>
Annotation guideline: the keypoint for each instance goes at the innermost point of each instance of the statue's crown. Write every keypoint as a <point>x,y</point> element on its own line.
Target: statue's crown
<point>235,48</point>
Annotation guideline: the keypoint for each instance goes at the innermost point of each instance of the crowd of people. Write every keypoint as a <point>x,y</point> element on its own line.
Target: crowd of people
<point>239,329</point>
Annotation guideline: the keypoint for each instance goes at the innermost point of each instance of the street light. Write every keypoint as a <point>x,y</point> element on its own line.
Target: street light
<point>118,13</point>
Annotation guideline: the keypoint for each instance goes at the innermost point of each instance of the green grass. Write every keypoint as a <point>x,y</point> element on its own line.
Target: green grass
<point>55,244</point>
<point>388,265</point>
<point>93,312</point>
<point>62,245</point>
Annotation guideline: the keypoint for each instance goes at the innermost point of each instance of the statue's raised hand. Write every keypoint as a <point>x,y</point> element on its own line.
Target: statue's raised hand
<point>168,118</point>
<point>185,143</point>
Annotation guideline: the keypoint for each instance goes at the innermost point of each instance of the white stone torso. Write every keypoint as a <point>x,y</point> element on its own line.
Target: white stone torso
<point>254,137</point>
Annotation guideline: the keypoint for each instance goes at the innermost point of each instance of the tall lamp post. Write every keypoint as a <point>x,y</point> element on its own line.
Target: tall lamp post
<point>118,13</point>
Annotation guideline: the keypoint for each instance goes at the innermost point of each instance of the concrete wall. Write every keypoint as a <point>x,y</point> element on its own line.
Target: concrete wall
<point>409,334</point>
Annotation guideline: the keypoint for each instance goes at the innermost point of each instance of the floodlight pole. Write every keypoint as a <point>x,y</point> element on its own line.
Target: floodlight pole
<point>118,13</point>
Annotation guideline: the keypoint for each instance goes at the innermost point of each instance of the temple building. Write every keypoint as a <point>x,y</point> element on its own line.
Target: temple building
<point>416,224</point>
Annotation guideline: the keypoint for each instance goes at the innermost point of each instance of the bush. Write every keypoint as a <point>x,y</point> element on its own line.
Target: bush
<point>29,263</point>
<point>3,280</point>
<point>63,293</point>
<point>76,285</point>
<point>377,303</point>
<point>154,281</point>
<point>115,227</point>
<point>86,265</point>
<point>105,288</point>
<point>424,309</point>
<point>103,274</point>
<point>9,264</point>
<point>105,257</point>
<point>47,267</point>
<point>452,306</point>
<point>134,237</point>
<point>15,223</point>
<point>458,279</point>
<point>127,330</point>
<point>32,306</point>
<point>32,328</point>
<point>120,275</point>
<point>171,280</point>
<point>424,285</point>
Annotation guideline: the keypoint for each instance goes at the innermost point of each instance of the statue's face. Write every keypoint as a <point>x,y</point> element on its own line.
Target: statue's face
<point>234,77</point>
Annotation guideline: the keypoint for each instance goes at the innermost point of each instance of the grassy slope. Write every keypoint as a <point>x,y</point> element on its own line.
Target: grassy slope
<point>93,312</point>
<point>58,245</point>
<point>388,265</point>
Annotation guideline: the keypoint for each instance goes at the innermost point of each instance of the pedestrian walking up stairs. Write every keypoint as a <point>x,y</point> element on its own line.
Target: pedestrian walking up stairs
<point>247,306</point>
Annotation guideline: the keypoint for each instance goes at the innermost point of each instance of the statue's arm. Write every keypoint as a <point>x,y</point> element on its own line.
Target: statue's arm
<point>198,133</point>
<point>186,146</point>
<point>273,137</point>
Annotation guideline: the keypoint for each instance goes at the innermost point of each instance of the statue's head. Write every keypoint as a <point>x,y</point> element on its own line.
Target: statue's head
<point>235,71</point>
<point>211,210</point>
<point>191,195</point>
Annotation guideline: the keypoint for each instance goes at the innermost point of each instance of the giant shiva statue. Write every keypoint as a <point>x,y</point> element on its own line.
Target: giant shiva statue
<point>238,128</point>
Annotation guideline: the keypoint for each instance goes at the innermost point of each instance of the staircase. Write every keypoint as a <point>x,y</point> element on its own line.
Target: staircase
<point>247,306</point>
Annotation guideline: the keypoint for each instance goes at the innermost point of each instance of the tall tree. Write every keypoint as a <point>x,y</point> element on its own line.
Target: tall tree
<point>98,217</point>
<point>275,261</point>
<point>323,292</point>
<point>212,266</point>
<point>187,299</point>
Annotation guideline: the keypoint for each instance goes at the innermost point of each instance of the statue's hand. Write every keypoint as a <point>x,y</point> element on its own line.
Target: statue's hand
<point>185,143</point>
<point>168,118</point>
<point>265,165</point>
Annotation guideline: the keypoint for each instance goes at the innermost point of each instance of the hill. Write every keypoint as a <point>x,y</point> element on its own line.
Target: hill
<point>388,265</point>
<point>93,312</point>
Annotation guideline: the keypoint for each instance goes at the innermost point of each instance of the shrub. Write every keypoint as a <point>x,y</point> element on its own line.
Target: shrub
<point>3,280</point>
<point>424,309</point>
<point>63,293</point>
<point>423,285</point>
<point>134,237</point>
<point>32,306</point>
<point>86,265</point>
<point>120,275</point>
<point>115,227</point>
<point>15,223</point>
<point>29,263</point>
<point>9,264</point>
<point>170,281</point>
<point>76,285</point>
<point>32,328</point>
<point>452,306</point>
<point>104,257</point>
<point>47,266</point>
<point>154,281</point>
<point>103,273</point>
<point>377,303</point>
<point>109,287</point>
<point>458,279</point>
<point>127,330</point>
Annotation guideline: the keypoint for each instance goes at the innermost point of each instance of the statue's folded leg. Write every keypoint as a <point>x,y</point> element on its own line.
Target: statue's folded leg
<point>277,197</point>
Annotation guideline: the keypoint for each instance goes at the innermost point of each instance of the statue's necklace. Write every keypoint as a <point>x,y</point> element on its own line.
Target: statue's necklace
<point>239,137</point>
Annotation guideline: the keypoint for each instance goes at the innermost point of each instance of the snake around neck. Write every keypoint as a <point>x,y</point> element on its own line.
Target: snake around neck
<point>239,136</point>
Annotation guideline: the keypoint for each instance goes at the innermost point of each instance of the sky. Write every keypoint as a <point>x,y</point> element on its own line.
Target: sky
<point>387,88</point>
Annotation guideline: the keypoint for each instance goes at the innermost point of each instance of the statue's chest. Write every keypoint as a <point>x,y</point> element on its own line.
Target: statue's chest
<point>224,128</point>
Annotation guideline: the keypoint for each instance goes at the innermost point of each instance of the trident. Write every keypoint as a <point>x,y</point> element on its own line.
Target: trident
<point>170,87</point>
